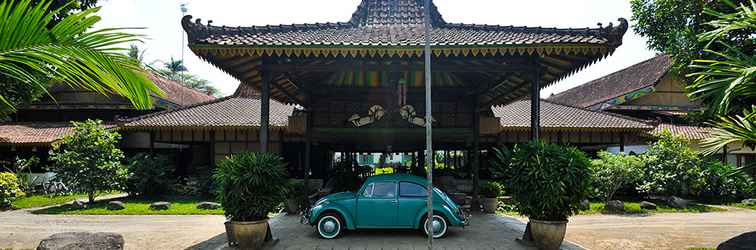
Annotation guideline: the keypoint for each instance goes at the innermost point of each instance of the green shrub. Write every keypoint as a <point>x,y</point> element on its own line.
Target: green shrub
<point>89,160</point>
<point>724,182</point>
<point>547,181</point>
<point>671,167</point>
<point>490,189</point>
<point>251,185</point>
<point>611,172</point>
<point>150,175</point>
<point>9,188</point>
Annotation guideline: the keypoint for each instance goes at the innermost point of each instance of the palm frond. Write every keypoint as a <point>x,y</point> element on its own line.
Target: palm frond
<point>739,129</point>
<point>69,53</point>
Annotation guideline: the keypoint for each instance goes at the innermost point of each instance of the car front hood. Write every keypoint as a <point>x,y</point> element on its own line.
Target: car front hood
<point>339,196</point>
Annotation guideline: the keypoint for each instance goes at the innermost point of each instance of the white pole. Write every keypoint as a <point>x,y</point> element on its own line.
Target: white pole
<point>428,122</point>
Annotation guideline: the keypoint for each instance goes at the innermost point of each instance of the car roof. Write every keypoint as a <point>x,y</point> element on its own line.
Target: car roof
<point>397,177</point>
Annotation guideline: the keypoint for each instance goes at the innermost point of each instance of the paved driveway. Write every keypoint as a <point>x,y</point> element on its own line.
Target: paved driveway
<point>660,231</point>
<point>23,230</point>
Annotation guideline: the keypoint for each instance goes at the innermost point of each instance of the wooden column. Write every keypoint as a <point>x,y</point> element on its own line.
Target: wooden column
<point>724,154</point>
<point>308,146</point>
<point>265,112</point>
<point>535,105</point>
<point>622,143</point>
<point>152,142</point>
<point>476,152</point>
<point>212,149</point>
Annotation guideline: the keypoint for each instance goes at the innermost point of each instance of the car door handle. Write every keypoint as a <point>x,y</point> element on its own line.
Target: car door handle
<point>394,201</point>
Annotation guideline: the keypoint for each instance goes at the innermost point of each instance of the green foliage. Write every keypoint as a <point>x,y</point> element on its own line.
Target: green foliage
<point>135,206</point>
<point>672,26</point>
<point>9,188</point>
<point>89,160</point>
<point>671,167</point>
<point>737,129</point>
<point>149,175</point>
<point>491,189</point>
<point>611,172</point>
<point>251,185</point>
<point>40,49</point>
<point>199,184</point>
<point>725,183</point>
<point>547,181</point>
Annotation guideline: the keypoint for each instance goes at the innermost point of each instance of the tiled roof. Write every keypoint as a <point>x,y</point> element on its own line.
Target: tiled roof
<point>641,75</point>
<point>557,116</point>
<point>395,23</point>
<point>38,133</point>
<point>177,93</point>
<point>689,132</point>
<point>225,112</point>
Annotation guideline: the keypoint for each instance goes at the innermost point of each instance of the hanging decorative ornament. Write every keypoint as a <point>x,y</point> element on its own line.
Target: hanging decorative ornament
<point>375,113</point>
<point>409,114</point>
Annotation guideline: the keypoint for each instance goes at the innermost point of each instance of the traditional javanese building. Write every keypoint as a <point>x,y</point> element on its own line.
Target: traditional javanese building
<point>651,92</point>
<point>313,91</point>
<point>35,127</point>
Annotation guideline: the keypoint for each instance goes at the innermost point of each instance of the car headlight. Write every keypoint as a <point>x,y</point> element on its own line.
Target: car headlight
<point>322,202</point>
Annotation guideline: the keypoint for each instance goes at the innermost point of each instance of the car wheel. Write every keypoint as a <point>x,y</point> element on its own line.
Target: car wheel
<point>329,226</point>
<point>439,226</point>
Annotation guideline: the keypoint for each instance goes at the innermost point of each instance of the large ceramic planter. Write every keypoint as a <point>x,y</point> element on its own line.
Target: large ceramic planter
<point>249,234</point>
<point>292,206</point>
<point>548,235</point>
<point>490,205</point>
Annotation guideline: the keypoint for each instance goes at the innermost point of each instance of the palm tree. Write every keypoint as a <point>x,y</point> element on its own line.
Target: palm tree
<point>727,80</point>
<point>35,50</point>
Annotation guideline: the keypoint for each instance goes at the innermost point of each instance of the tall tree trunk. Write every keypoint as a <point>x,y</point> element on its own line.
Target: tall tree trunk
<point>91,198</point>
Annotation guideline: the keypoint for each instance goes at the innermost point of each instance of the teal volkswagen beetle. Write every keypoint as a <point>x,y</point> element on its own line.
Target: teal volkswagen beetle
<point>388,202</point>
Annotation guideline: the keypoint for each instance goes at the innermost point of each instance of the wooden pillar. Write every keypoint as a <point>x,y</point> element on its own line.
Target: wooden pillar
<point>152,142</point>
<point>212,149</point>
<point>724,154</point>
<point>421,160</point>
<point>622,143</point>
<point>265,112</point>
<point>535,105</point>
<point>308,147</point>
<point>476,152</point>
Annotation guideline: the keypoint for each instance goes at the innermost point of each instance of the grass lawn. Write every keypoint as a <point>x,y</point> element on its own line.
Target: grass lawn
<point>136,206</point>
<point>632,207</point>
<point>46,200</point>
<point>741,205</point>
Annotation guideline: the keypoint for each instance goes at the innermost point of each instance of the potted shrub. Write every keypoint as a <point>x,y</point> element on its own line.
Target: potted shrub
<point>490,191</point>
<point>547,182</point>
<point>296,197</point>
<point>251,185</point>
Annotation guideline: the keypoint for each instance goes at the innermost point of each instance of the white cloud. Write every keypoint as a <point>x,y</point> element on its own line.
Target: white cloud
<point>162,20</point>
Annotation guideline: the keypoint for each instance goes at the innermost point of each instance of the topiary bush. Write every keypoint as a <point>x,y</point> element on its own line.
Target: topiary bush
<point>610,172</point>
<point>547,181</point>
<point>9,188</point>
<point>295,189</point>
<point>490,189</point>
<point>150,175</point>
<point>252,185</point>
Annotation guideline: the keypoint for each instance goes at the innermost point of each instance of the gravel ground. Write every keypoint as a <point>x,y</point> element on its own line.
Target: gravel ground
<point>660,231</point>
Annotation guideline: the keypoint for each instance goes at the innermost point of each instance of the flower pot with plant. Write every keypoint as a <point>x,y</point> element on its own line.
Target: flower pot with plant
<point>490,191</point>
<point>296,197</point>
<point>547,182</point>
<point>251,185</point>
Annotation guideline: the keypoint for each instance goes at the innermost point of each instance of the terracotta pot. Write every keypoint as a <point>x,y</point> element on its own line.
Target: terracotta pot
<point>249,234</point>
<point>292,207</point>
<point>548,235</point>
<point>490,205</point>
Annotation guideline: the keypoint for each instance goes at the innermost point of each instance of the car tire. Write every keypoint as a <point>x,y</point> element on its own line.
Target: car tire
<point>330,226</point>
<point>443,226</point>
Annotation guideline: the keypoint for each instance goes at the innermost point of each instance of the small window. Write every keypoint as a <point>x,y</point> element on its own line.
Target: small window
<point>409,189</point>
<point>368,190</point>
<point>384,190</point>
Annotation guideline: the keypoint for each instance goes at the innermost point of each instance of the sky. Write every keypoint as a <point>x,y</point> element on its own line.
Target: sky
<point>160,22</point>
